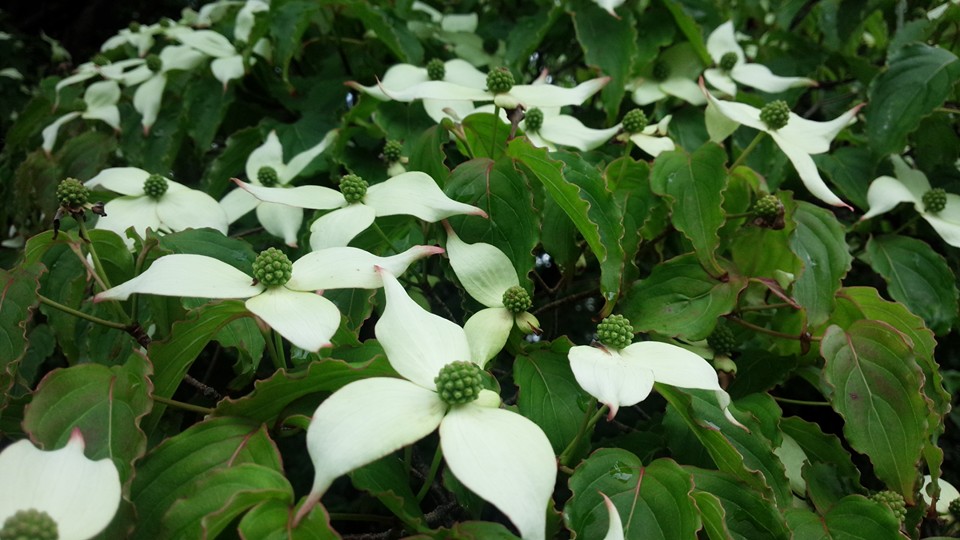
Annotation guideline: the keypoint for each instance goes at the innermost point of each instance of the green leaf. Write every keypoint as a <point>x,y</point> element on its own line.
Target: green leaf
<point>85,155</point>
<point>173,356</point>
<point>610,45</point>
<point>174,469</point>
<point>233,251</point>
<point>105,404</point>
<point>270,397</point>
<point>388,480</point>
<point>694,185</point>
<point>918,80</point>
<point>485,136</point>
<point>851,169</point>
<point>690,29</point>
<point>549,393</point>
<point>231,162</point>
<point>221,497</point>
<point>680,299</point>
<point>629,180</point>
<point>18,299</point>
<point>505,195</point>
<point>114,255</point>
<point>206,102</point>
<point>917,276</point>
<point>391,31</point>
<point>270,520</point>
<point>426,154</point>
<point>876,386</point>
<point>855,517</point>
<point>828,472</point>
<point>759,370</point>
<point>653,501</point>
<point>819,243</point>
<point>746,514</point>
<point>527,33</point>
<point>288,22</point>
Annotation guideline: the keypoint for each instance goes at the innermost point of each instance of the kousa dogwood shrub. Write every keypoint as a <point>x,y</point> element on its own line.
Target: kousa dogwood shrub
<point>615,269</point>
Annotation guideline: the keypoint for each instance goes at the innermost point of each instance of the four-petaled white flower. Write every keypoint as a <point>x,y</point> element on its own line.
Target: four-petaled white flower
<point>625,377</point>
<point>293,309</point>
<point>674,73</point>
<point>140,36</point>
<point>79,494</point>
<point>799,138</point>
<point>89,70</point>
<point>227,64</point>
<point>176,208</point>
<point>910,185</point>
<point>101,101</point>
<point>279,220</point>
<point>653,139</point>
<point>500,455</point>
<point>147,98</point>
<point>411,193</point>
<point>487,274</point>
<point>732,67</point>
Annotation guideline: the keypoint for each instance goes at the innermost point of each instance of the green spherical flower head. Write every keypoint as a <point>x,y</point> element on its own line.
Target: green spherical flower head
<point>533,120</point>
<point>71,193</point>
<point>393,151</point>
<point>500,80</point>
<point>267,176</point>
<point>775,114</point>
<point>634,121</point>
<point>134,26</point>
<point>721,340</point>
<point>768,207</point>
<point>615,331</point>
<point>954,509</point>
<point>155,186</point>
<point>166,22</point>
<point>29,525</point>
<point>353,188</point>
<point>100,60</point>
<point>272,268</point>
<point>154,63</point>
<point>728,60</point>
<point>436,70</point>
<point>892,500</point>
<point>934,200</point>
<point>459,383</point>
<point>660,70</point>
<point>516,299</point>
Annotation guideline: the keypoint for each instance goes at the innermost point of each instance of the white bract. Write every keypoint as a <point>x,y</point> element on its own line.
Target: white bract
<point>411,193</point>
<point>457,31</point>
<point>147,98</point>
<point>79,494</point>
<point>674,73</point>
<point>501,456</point>
<point>141,37</point>
<point>799,139</point>
<point>909,186</point>
<point>177,209</point>
<point>101,101</point>
<point>89,70</point>
<point>293,309</point>
<point>227,64</point>
<point>556,129</point>
<point>279,220</point>
<point>722,41</point>
<point>486,273</point>
<point>610,6</point>
<point>948,494</point>
<point>615,527</point>
<point>653,139</point>
<point>625,377</point>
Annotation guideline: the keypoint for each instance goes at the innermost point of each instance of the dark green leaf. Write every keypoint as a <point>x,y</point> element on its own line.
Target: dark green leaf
<point>237,253</point>
<point>231,162</point>
<point>270,520</point>
<point>527,34</point>
<point>610,45</point>
<point>83,156</point>
<point>426,154</point>
<point>391,31</point>
<point>18,299</point>
<point>821,246</point>
<point>206,101</point>
<point>288,22</point>
<point>388,480</point>
<point>746,513</point>
<point>855,517</point>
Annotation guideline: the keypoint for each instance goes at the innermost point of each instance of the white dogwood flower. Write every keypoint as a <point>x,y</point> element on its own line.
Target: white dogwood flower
<point>411,193</point>
<point>940,209</point>
<point>79,494</point>
<point>227,64</point>
<point>498,454</point>
<point>732,67</point>
<point>101,104</point>
<point>265,167</point>
<point>674,73</point>
<point>152,79</point>
<point>282,294</point>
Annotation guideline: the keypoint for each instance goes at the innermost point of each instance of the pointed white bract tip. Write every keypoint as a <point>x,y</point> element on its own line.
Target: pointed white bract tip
<point>352,84</point>
<point>614,408</point>
<point>378,269</point>
<point>239,182</point>
<point>292,244</point>
<point>480,213</point>
<point>76,438</point>
<point>307,506</point>
<point>99,298</point>
<point>734,421</point>
<point>432,250</point>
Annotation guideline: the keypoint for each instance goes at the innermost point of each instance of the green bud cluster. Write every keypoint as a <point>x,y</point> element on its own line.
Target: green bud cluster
<point>154,63</point>
<point>155,186</point>
<point>516,299</point>
<point>436,70</point>
<point>728,60</point>
<point>166,22</point>
<point>71,193</point>
<point>272,267</point>
<point>459,382</point>
<point>934,200</point>
<point>892,500</point>
<point>615,331</point>
<point>768,207</point>
<point>29,525</point>
<point>634,121</point>
<point>393,151</point>
<point>660,70</point>
<point>353,188</point>
<point>500,80</point>
<point>134,26</point>
<point>721,340</point>
<point>533,120</point>
<point>775,114</point>
<point>954,509</point>
<point>100,60</point>
<point>267,176</point>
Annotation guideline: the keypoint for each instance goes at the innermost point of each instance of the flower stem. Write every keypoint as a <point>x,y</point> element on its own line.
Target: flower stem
<point>77,313</point>
<point>97,265</point>
<point>763,307</point>
<point>769,332</point>
<point>269,340</point>
<point>948,110</point>
<point>496,124</point>
<point>802,402</point>
<point>434,467</point>
<point>589,420</point>
<point>746,151</point>
<point>182,405</point>
<point>386,238</point>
